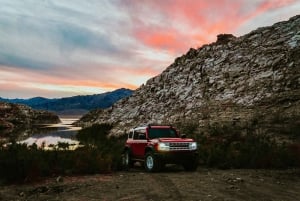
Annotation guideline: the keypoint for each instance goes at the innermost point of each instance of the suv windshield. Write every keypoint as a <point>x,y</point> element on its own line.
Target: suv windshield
<point>162,133</point>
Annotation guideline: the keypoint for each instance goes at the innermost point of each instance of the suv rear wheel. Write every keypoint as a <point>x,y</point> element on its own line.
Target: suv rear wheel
<point>152,163</point>
<point>126,160</point>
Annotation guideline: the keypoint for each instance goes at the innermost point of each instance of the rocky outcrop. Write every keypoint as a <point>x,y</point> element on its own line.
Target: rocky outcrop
<point>254,77</point>
<point>14,117</point>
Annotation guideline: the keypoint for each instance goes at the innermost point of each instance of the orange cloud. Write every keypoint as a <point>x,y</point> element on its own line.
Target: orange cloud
<point>167,39</point>
<point>39,83</point>
<point>136,71</point>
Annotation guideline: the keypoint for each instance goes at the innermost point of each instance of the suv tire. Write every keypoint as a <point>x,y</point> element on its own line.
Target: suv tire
<point>152,163</point>
<point>126,160</point>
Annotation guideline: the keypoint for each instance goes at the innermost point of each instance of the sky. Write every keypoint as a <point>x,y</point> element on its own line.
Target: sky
<point>62,48</point>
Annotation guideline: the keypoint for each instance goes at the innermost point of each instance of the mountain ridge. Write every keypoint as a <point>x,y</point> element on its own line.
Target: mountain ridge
<point>80,103</point>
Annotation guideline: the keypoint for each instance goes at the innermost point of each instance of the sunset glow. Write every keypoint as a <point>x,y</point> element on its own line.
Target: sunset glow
<point>60,48</point>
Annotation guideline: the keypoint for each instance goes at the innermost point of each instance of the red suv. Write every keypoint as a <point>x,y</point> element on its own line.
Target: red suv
<point>156,146</point>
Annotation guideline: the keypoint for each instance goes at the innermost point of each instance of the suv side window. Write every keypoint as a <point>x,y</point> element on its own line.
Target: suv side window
<point>130,134</point>
<point>140,134</point>
<point>135,135</point>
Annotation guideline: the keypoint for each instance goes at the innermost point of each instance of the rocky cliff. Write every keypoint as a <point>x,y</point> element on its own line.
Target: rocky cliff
<point>250,79</point>
<point>15,117</point>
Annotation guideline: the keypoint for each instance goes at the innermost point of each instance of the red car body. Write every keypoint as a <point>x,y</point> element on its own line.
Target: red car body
<point>158,145</point>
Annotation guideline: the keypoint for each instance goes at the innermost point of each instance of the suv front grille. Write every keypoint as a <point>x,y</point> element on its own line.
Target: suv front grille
<point>179,146</point>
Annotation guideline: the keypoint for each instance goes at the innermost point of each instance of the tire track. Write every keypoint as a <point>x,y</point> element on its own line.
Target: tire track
<point>167,185</point>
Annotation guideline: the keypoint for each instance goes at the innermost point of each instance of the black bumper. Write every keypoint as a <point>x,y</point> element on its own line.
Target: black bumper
<point>178,157</point>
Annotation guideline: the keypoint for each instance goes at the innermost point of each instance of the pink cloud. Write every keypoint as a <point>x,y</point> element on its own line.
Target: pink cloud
<point>202,20</point>
<point>158,38</point>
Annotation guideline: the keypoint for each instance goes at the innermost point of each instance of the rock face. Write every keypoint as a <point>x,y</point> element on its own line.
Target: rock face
<point>236,79</point>
<point>16,116</point>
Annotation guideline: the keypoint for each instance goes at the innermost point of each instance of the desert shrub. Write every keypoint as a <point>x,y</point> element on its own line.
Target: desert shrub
<point>228,145</point>
<point>95,134</point>
<point>22,163</point>
<point>290,129</point>
<point>188,127</point>
<point>110,147</point>
<point>247,144</point>
<point>63,145</point>
<point>19,163</point>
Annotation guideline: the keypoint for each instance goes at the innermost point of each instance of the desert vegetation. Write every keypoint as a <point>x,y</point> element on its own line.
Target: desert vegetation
<point>22,163</point>
<point>221,145</point>
<point>257,143</point>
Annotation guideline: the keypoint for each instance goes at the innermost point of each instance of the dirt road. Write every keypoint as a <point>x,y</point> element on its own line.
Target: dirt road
<point>171,184</point>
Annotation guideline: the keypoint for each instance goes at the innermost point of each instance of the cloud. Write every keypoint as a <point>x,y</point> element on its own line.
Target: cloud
<point>32,83</point>
<point>268,13</point>
<point>176,25</point>
<point>30,35</point>
<point>78,47</point>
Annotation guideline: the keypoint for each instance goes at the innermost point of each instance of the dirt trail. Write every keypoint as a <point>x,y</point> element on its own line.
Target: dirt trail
<point>171,184</point>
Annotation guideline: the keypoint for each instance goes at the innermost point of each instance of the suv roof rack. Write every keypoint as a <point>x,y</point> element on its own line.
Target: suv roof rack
<point>143,125</point>
<point>149,125</point>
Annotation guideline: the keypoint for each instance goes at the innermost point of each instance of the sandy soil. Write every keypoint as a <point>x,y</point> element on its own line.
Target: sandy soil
<point>171,184</point>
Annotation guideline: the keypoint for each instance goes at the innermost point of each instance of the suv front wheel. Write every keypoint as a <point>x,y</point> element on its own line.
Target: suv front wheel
<point>152,163</point>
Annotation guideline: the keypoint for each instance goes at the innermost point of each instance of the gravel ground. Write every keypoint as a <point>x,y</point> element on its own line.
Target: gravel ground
<point>171,184</point>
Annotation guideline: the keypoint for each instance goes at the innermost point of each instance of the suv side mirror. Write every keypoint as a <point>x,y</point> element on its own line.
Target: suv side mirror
<point>183,136</point>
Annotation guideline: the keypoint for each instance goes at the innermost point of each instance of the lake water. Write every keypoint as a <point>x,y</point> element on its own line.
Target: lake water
<point>50,134</point>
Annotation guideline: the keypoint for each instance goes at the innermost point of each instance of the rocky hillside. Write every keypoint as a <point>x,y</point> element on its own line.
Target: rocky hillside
<point>252,79</point>
<point>14,117</point>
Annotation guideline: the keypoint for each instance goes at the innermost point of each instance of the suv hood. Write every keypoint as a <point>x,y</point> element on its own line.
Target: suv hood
<point>173,140</point>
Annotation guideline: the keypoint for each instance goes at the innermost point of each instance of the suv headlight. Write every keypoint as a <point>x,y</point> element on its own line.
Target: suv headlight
<point>193,146</point>
<point>162,146</point>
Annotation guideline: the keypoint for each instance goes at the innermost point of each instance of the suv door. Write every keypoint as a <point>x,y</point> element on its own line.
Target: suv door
<point>139,143</point>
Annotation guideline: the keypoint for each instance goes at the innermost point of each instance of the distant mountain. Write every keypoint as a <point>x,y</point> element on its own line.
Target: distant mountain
<point>29,102</point>
<point>75,104</point>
